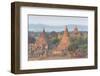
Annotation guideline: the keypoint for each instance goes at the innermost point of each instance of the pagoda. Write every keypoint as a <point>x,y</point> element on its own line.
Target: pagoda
<point>76,32</point>
<point>64,43</point>
<point>41,42</point>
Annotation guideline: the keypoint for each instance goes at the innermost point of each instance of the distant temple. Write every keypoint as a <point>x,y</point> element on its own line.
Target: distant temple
<point>41,42</point>
<point>76,32</point>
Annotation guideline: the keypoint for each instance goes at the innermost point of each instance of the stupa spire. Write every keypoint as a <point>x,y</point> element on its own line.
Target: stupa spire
<point>42,41</point>
<point>43,29</point>
<point>76,31</point>
<point>66,30</point>
<point>64,43</point>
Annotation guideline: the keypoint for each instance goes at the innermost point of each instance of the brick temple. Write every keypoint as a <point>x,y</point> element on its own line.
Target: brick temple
<point>64,43</point>
<point>41,42</point>
<point>76,32</point>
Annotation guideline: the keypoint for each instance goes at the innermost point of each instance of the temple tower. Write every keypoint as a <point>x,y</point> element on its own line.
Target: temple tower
<point>41,42</point>
<point>64,43</point>
<point>76,32</point>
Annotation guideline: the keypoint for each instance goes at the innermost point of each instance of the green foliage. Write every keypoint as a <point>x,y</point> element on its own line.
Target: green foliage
<point>84,46</point>
<point>78,43</point>
<point>55,40</point>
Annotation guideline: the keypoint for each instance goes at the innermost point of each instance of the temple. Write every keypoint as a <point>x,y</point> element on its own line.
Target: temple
<point>76,32</point>
<point>64,42</point>
<point>41,42</point>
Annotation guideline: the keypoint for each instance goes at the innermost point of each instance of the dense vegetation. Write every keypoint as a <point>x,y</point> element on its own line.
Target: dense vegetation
<point>78,47</point>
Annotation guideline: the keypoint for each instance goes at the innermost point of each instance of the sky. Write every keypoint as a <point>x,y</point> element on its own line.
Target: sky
<point>51,22</point>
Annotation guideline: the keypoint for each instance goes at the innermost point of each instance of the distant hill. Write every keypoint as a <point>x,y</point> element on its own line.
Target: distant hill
<point>49,28</point>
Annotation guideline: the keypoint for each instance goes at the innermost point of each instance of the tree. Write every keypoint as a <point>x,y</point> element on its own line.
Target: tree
<point>55,40</point>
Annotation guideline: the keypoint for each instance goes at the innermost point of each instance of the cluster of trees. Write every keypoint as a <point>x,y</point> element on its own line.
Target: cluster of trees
<point>80,43</point>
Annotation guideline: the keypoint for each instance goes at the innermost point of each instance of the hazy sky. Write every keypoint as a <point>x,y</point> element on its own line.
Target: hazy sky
<point>56,21</point>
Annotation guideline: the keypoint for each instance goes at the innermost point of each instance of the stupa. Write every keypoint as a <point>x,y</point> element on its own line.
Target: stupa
<point>64,43</point>
<point>41,42</point>
<point>76,32</point>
